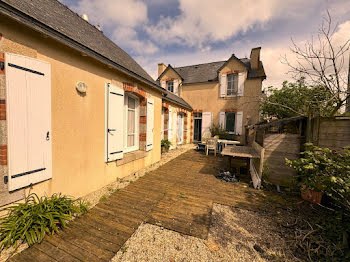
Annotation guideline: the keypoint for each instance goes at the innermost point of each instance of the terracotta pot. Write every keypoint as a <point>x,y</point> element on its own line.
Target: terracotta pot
<point>163,149</point>
<point>311,195</point>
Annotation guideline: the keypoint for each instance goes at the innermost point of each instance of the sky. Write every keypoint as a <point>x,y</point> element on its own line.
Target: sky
<point>187,32</point>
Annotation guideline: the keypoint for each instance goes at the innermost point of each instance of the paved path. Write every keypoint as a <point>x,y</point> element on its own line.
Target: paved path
<point>179,196</point>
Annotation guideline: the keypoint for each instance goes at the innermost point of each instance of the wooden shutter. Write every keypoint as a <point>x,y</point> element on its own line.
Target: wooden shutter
<point>239,123</point>
<point>29,120</point>
<point>163,84</point>
<point>222,119</point>
<point>114,122</point>
<point>170,125</point>
<point>223,85</point>
<point>207,119</point>
<point>176,87</point>
<point>150,124</point>
<point>241,79</point>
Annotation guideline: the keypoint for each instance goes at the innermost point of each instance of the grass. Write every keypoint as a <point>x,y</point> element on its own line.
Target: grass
<point>30,221</point>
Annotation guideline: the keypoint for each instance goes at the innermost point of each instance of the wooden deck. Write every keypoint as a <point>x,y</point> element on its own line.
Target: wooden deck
<point>179,196</point>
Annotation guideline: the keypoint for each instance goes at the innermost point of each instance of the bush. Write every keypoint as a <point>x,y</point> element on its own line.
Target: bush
<point>326,171</point>
<point>165,143</point>
<point>217,130</point>
<point>30,221</point>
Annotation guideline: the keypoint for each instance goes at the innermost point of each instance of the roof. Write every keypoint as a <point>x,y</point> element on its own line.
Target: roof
<point>58,21</point>
<point>208,72</point>
<point>170,97</point>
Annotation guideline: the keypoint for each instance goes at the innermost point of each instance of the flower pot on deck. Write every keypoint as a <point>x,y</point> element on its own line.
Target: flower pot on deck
<point>310,195</point>
<point>163,149</point>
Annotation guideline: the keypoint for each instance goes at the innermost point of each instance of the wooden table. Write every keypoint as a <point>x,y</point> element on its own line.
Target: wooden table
<point>240,151</point>
<point>247,152</point>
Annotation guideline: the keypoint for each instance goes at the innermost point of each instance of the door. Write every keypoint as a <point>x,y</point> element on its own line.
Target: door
<point>197,135</point>
<point>180,129</point>
<point>28,84</point>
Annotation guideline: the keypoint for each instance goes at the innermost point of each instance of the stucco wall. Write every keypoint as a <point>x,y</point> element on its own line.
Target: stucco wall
<point>78,121</point>
<point>206,97</point>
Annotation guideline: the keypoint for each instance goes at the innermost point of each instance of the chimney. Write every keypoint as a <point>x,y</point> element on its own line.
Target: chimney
<point>161,68</point>
<point>255,58</point>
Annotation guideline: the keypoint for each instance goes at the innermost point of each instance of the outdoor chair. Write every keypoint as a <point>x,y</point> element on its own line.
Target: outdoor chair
<point>211,145</point>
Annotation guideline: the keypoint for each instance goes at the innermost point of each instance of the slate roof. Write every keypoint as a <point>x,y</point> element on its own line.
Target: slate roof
<point>208,72</point>
<point>63,22</point>
<point>169,96</point>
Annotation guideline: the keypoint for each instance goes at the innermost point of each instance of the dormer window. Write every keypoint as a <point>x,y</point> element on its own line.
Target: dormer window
<point>232,84</point>
<point>170,85</point>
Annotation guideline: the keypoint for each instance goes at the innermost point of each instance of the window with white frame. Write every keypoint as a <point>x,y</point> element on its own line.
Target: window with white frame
<point>131,123</point>
<point>232,84</point>
<point>170,85</point>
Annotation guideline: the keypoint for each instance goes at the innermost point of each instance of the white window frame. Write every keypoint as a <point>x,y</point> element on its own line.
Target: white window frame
<point>167,85</point>
<point>165,127</point>
<point>231,84</point>
<point>135,147</point>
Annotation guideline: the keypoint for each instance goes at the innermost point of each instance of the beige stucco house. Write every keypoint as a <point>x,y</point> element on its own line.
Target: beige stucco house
<point>76,111</point>
<point>225,93</point>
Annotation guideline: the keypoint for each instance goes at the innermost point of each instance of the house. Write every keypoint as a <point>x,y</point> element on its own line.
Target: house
<point>225,93</point>
<point>76,111</point>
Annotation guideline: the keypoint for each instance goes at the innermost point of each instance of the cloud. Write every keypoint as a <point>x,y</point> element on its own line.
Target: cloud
<point>207,21</point>
<point>121,19</point>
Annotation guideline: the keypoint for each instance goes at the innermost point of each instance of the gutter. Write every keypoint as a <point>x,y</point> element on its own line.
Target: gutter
<point>36,25</point>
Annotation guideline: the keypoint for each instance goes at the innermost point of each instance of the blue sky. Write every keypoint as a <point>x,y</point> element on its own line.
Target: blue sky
<point>184,32</point>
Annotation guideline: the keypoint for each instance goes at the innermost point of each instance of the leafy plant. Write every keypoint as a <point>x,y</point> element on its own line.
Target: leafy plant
<point>328,171</point>
<point>165,143</point>
<point>30,221</point>
<point>217,130</point>
<point>324,170</point>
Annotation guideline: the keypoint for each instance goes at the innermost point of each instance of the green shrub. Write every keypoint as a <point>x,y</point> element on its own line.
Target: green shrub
<point>326,171</point>
<point>217,130</point>
<point>30,221</point>
<point>165,143</point>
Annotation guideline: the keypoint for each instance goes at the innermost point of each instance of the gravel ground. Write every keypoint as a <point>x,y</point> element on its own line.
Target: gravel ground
<point>235,235</point>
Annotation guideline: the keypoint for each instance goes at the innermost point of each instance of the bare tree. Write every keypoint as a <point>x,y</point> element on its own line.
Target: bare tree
<point>322,62</point>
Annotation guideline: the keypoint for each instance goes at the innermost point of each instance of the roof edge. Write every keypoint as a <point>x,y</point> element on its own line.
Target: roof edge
<point>232,57</point>
<point>40,27</point>
<point>166,69</point>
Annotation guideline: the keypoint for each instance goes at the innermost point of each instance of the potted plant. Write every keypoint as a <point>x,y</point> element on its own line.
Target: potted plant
<point>322,171</point>
<point>165,145</point>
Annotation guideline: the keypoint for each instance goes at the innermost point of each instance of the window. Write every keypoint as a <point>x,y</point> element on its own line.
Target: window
<point>131,120</point>
<point>230,122</point>
<point>170,86</point>
<point>232,84</point>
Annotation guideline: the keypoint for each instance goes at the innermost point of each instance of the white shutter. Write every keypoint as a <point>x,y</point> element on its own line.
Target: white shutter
<point>163,84</point>
<point>162,126</point>
<point>150,124</point>
<point>29,120</point>
<point>207,119</point>
<point>176,87</point>
<point>239,123</point>
<point>241,78</point>
<point>223,85</point>
<point>170,125</point>
<point>222,119</point>
<point>114,123</point>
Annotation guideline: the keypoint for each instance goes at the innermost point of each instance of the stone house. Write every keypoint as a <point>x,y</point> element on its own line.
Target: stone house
<point>225,93</point>
<point>76,111</point>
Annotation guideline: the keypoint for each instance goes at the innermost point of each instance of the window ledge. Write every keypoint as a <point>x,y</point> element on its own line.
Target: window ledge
<point>131,156</point>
